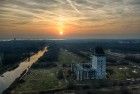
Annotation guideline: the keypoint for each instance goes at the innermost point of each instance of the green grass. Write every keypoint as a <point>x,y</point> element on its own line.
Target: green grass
<point>66,57</point>
<point>40,80</point>
<point>123,74</point>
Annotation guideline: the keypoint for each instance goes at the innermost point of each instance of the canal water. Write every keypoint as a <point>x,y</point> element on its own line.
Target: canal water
<point>9,77</point>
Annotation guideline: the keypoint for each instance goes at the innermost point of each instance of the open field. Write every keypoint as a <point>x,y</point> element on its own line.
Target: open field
<point>40,80</point>
<point>123,72</point>
<point>66,57</point>
<point>44,79</point>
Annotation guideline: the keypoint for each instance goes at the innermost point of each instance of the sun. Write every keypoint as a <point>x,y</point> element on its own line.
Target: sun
<point>61,25</point>
<point>61,33</point>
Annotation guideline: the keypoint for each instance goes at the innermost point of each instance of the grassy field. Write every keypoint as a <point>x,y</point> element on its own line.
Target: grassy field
<point>124,72</point>
<point>66,57</point>
<point>40,80</point>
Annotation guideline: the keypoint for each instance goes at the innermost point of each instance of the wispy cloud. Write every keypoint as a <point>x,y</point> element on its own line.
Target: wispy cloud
<point>73,6</point>
<point>78,13</point>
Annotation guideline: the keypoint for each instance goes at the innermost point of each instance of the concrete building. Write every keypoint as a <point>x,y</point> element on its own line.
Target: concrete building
<point>95,69</point>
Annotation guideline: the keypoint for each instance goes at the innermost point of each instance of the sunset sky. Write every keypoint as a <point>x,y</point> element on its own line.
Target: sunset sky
<point>70,18</point>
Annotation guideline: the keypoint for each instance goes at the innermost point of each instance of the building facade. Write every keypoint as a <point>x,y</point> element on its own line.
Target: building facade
<point>95,69</point>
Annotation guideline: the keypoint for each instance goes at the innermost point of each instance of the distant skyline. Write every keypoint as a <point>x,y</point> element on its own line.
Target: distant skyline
<point>46,19</point>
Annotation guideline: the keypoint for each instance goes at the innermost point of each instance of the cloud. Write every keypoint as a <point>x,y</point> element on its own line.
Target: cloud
<point>134,2</point>
<point>25,12</point>
<point>85,7</point>
<point>73,6</point>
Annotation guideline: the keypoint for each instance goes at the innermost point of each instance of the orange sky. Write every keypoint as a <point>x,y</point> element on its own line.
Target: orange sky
<point>70,18</point>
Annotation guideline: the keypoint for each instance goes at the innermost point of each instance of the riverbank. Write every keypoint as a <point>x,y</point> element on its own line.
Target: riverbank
<point>46,76</point>
<point>3,70</point>
<point>15,51</point>
<point>14,84</point>
<point>10,68</point>
<point>10,76</point>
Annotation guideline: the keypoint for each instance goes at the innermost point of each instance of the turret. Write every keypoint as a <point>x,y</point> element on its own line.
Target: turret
<point>99,62</point>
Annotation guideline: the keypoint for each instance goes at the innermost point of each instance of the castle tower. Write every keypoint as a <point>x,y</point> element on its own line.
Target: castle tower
<point>99,63</point>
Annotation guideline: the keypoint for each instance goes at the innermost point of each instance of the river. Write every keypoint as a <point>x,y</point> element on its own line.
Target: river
<point>9,77</point>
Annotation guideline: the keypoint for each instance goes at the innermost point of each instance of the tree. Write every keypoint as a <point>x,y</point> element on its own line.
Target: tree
<point>60,75</point>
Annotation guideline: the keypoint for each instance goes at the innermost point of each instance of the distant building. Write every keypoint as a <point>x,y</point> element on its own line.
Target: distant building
<point>1,56</point>
<point>95,69</point>
<point>14,39</point>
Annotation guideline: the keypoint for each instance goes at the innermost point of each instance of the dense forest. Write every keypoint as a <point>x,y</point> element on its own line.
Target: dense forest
<point>123,46</point>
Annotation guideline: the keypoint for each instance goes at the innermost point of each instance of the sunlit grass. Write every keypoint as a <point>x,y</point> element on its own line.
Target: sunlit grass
<point>66,57</point>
